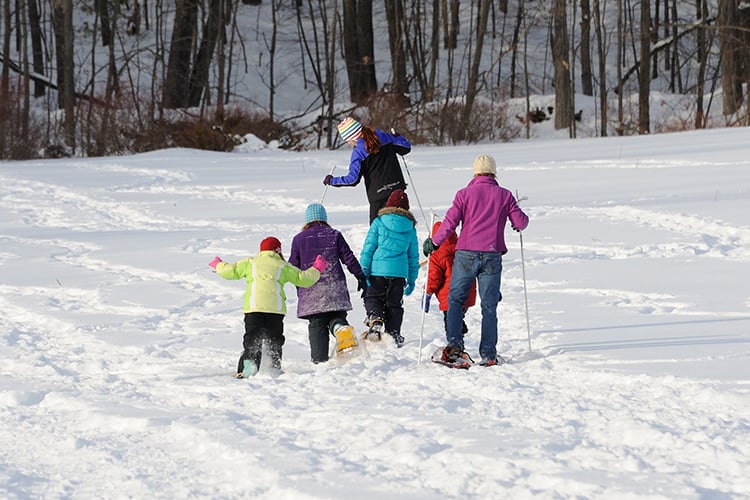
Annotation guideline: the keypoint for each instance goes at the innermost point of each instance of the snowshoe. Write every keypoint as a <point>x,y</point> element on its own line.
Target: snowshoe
<point>452,357</point>
<point>376,327</point>
<point>498,360</point>
<point>345,339</point>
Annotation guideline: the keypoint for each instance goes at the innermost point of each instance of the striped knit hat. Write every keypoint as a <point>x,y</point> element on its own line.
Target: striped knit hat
<point>350,129</point>
<point>315,212</point>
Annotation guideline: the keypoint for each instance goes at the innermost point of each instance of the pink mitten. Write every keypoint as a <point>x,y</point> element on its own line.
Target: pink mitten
<point>215,262</point>
<point>320,263</point>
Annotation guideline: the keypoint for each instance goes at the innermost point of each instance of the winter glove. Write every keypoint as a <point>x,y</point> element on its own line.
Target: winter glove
<point>409,288</point>
<point>215,262</point>
<point>327,180</point>
<point>428,247</point>
<point>515,229</point>
<point>426,302</point>
<point>362,285</point>
<point>320,264</point>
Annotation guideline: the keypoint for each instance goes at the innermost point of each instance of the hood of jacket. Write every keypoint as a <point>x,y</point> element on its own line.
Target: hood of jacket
<point>398,224</point>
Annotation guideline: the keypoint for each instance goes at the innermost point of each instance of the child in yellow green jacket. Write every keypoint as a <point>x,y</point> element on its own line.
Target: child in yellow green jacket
<point>265,300</point>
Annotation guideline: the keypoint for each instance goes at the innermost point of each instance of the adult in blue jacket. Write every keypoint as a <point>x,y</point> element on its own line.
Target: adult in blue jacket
<point>374,159</point>
<point>390,260</point>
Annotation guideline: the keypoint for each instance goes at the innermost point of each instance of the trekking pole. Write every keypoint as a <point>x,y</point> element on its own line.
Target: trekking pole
<point>523,272</point>
<point>424,299</point>
<point>325,189</point>
<point>416,196</point>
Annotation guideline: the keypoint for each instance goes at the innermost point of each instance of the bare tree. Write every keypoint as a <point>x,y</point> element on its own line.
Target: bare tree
<point>644,81</point>
<point>587,84</point>
<point>204,56</point>
<point>473,81</point>
<point>62,22</point>
<point>7,28</point>
<point>450,23</point>
<point>560,52</point>
<point>515,45</point>
<point>620,65</point>
<point>729,47</point>
<point>359,52</point>
<point>701,11</point>
<point>177,84</point>
<point>602,71</point>
<point>429,95</point>
<point>394,12</point>
<point>37,53</point>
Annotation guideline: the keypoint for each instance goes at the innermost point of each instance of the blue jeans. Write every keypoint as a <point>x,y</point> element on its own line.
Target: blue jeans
<point>486,268</point>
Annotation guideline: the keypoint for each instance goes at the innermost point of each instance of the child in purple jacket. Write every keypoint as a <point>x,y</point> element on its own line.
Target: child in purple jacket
<point>325,303</point>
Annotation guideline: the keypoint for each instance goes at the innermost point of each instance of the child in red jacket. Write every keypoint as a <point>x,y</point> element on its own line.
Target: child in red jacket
<point>439,277</point>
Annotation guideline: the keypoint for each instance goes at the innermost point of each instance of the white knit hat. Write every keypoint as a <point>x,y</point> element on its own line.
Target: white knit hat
<point>485,164</point>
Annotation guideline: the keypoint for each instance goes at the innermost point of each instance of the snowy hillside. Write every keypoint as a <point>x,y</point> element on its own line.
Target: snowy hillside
<point>118,344</point>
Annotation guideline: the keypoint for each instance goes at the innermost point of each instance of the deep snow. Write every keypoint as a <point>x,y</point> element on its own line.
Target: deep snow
<point>119,343</point>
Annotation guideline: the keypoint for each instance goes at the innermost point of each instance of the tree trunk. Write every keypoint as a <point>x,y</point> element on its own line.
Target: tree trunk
<point>644,82</point>
<point>450,24</point>
<point>434,51</point>
<point>359,51</point>
<point>620,64</point>
<point>177,84</point>
<point>700,40</point>
<point>394,12</point>
<point>37,49</point>
<point>472,84</point>
<point>105,23</point>
<point>728,43</point>
<point>676,75</point>
<point>560,51</point>
<point>587,84</point>
<point>515,44</point>
<point>602,77</point>
<point>211,31</point>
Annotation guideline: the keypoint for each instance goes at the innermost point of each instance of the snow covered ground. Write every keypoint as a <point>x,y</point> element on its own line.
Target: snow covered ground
<point>118,344</point>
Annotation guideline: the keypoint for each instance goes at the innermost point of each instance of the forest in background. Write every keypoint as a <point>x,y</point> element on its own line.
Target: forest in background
<point>99,77</point>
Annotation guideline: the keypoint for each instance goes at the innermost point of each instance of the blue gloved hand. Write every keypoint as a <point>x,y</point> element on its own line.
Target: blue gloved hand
<point>426,302</point>
<point>409,288</point>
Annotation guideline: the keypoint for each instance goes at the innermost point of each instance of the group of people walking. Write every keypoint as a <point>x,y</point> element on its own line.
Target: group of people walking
<point>388,266</point>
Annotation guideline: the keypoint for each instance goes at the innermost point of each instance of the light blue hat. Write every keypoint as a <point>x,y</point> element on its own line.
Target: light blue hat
<point>315,212</point>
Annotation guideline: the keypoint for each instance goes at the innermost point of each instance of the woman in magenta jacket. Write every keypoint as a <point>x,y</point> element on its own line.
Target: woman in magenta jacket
<point>482,208</point>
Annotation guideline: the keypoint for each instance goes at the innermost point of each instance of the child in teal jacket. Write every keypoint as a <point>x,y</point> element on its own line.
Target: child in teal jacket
<point>390,260</point>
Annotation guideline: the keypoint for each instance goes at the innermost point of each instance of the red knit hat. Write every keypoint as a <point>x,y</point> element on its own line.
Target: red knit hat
<point>270,243</point>
<point>398,199</point>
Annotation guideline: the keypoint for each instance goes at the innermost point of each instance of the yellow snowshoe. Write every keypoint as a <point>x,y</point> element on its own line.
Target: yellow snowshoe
<point>345,339</point>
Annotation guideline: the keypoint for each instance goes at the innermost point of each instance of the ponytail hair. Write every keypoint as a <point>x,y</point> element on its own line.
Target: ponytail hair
<point>372,142</point>
<point>315,223</point>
